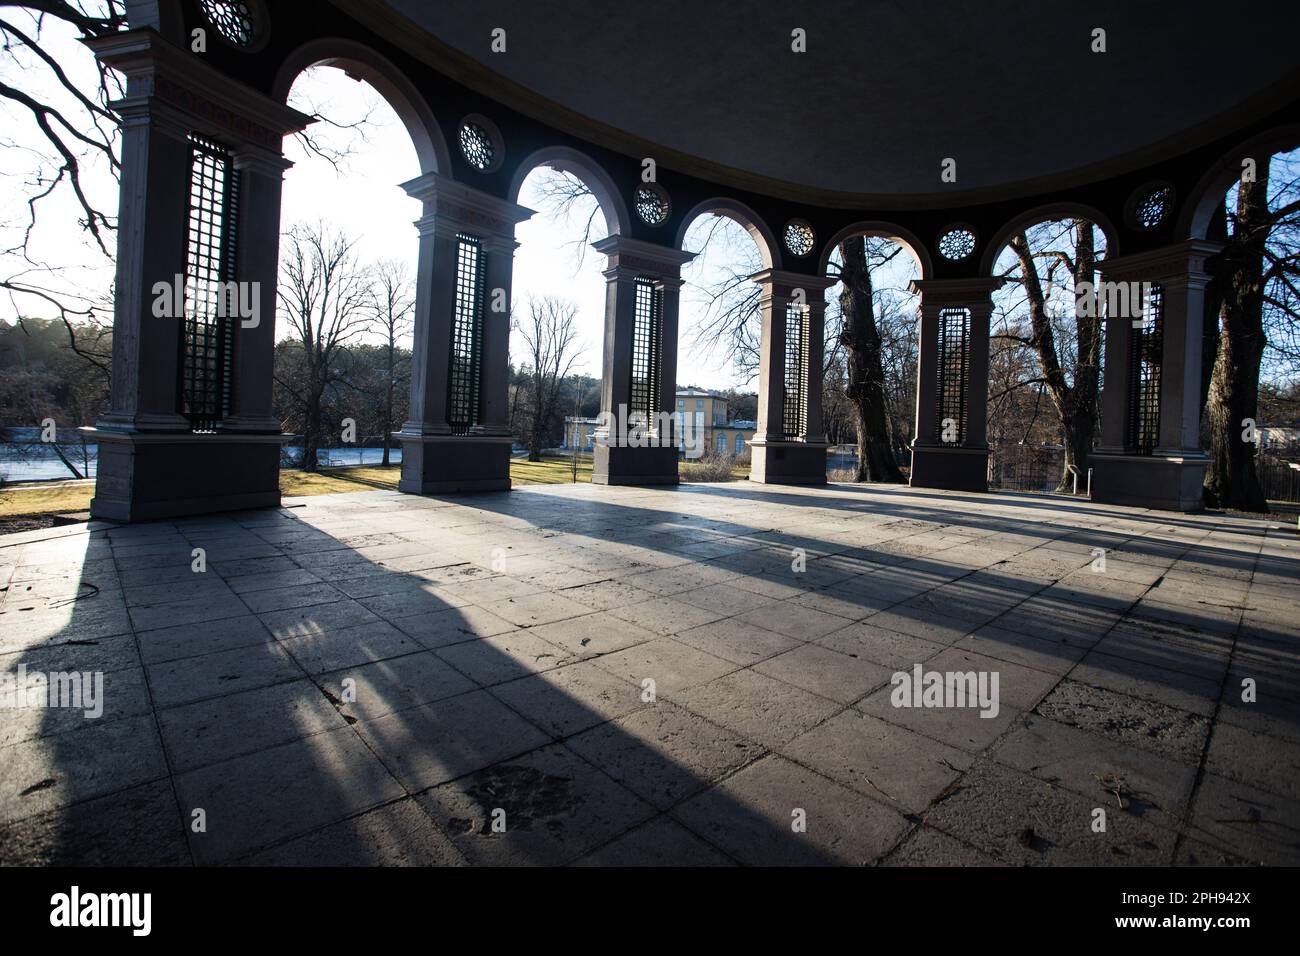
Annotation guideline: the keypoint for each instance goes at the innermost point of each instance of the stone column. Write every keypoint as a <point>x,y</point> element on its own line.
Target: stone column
<point>434,460</point>
<point>623,454</point>
<point>261,174</point>
<point>1171,476</point>
<point>960,465</point>
<point>500,253</point>
<point>152,464</point>
<point>791,453</point>
<point>669,290</point>
<point>814,375</point>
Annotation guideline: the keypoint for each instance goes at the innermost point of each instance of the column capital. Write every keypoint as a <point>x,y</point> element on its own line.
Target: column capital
<point>629,258</point>
<point>956,292</point>
<point>781,284</point>
<point>1181,260</point>
<point>451,207</point>
<point>261,160</point>
<point>212,102</point>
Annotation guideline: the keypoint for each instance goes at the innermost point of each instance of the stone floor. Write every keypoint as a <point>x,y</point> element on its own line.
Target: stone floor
<point>378,678</point>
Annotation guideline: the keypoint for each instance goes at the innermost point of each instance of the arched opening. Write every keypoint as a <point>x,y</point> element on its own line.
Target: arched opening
<point>558,312</point>
<point>398,93</point>
<point>1201,216</point>
<point>348,266</point>
<point>720,337</point>
<point>871,350</point>
<point>1046,350</point>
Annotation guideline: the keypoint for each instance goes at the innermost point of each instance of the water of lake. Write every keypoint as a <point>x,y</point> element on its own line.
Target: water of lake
<point>27,458</point>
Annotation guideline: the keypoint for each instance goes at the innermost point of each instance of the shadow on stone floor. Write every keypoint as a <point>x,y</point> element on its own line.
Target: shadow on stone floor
<point>227,689</point>
<point>226,703</point>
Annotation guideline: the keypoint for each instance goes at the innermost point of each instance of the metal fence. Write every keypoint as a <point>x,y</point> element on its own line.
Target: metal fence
<point>1279,479</point>
<point>1025,467</point>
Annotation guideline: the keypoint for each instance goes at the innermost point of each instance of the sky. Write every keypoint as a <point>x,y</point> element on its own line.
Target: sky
<point>362,197</point>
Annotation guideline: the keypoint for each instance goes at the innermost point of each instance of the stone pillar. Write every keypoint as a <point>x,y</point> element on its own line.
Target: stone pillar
<point>1171,476</point>
<point>624,454</point>
<point>261,174</point>
<point>669,290</point>
<point>152,463</point>
<point>790,453</point>
<point>434,460</point>
<point>960,464</point>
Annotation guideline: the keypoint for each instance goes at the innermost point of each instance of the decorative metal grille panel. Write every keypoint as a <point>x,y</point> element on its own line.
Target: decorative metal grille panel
<point>465,365</point>
<point>651,204</point>
<point>207,345</point>
<point>954,373</point>
<point>794,406</point>
<point>232,18</point>
<point>1146,355</point>
<point>480,152</point>
<point>647,317</point>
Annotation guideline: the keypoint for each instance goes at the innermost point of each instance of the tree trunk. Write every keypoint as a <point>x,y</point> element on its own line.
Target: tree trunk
<point>1080,428</point>
<point>1075,403</point>
<point>1231,481</point>
<point>311,433</point>
<point>388,405</point>
<point>866,385</point>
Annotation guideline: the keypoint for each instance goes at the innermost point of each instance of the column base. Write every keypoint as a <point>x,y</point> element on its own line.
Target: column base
<point>1168,481</point>
<point>622,465</point>
<point>144,476</point>
<point>787,462</point>
<point>953,469</point>
<point>444,464</point>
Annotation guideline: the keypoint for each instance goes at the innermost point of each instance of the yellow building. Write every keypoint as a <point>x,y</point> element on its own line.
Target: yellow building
<point>699,412</point>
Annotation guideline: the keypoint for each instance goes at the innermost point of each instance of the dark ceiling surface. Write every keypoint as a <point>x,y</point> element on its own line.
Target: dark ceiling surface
<point>887,90</point>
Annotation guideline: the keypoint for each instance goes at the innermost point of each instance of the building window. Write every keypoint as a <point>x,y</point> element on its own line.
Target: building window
<point>651,204</point>
<point>647,315</point>
<point>799,237</point>
<point>207,345</point>
<point>1146,354</point>
<point>465,366</point>
<point>740,444</point>
<point>954,372</point>
<point>232,19</point>
<point>957,243</point>
<point>1151,206</point>
<point>795,404</point>
<point>477,146</point>
<point>722,444</point>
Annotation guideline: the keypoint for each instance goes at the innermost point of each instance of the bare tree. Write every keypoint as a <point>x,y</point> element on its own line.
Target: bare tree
<point>864,372</point>
<point>393,302</point>
<point>327,300</point>
<point>70,138</point>
<point>550,332</point>
<point>1051,261</point>
<point>70,145</point>
<point>1259,278</point>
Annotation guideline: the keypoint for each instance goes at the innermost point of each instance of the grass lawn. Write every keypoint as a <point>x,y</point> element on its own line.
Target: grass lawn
<point>62,497</point>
